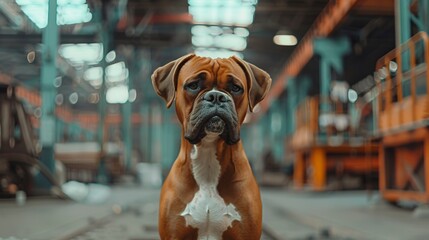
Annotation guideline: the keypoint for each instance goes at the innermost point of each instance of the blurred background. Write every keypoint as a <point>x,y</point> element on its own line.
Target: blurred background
<point>340,146</point>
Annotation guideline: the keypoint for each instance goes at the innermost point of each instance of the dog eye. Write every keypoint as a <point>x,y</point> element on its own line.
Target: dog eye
<point>193,86</point>
<point>236,89</point>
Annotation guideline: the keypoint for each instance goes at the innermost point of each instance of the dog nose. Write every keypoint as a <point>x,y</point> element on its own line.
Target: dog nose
<point>215,97</point>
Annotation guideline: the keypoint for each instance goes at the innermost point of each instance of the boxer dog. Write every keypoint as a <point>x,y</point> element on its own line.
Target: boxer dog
<point>210,192</point>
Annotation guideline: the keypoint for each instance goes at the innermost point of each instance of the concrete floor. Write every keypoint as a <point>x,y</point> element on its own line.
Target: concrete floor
<point>131,213</point>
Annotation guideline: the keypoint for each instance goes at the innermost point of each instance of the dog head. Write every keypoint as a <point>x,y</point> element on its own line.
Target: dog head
<point>211,95</point>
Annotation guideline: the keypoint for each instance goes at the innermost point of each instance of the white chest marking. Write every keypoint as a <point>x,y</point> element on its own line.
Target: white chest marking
<point>207,211</point>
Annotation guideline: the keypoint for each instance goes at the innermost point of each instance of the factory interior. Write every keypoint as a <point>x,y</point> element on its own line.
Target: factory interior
<point>339,146</point>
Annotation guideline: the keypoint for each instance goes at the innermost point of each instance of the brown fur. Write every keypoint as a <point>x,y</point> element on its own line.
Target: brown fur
<point>237,184</point>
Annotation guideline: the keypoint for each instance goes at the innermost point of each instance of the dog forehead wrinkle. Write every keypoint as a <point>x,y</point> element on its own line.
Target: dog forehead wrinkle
<point>216,68</point>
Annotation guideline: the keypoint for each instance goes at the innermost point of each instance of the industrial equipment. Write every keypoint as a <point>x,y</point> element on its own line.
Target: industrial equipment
<point>403,119</point>
<point>330,152</point>
<point>18,147</point>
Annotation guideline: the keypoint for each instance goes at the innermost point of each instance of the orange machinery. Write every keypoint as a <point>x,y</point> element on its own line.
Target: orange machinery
<point>324,154</point>
<point>403,121</point>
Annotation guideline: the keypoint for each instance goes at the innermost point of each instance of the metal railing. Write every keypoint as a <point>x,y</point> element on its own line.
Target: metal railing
<point>402,82</point>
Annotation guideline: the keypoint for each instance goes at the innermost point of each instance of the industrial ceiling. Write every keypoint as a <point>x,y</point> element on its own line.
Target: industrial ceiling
<point>145,34</point>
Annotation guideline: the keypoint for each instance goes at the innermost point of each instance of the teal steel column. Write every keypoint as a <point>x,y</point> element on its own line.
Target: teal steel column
<point>102,104</point>
<point>402,21</point>
<point>170,138</point>
<point>59,130</point>
<point>291,105</point>
<point>424,14</point>
<point>303,87</point>
<point>276,130</point>
<point>331,52</point>
<point>126,131</point>
<point>75,131</point>
<point>47,89</point>
<point>144,126</point>
<point>127,111</point>
<point>403,28</point>
<point>325,81</point>
<point>156,133</point>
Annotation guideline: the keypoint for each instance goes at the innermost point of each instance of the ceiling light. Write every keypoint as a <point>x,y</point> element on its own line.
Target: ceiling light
<point>73,98</point>
<point>68,11</point>
<point>227,19</point>
<point>94,76</point>
<point>352,95</point>
<point>285,40</point>
<point>222,12</point>
<point>31,56</point>
<point>132,95</point>
<point>202,41</point>
<point>59,99</point>
<point>199,30</point>
<point>78,54</point>
<point>217,53</point>
<point>242,32</point>
<point>215,30</point>
<point>115,69</point>
<point>116,72</point>
<point>110,56</point>
<point>231,16</point>
<point>231,41</point>
<point>215,3</point>
<point>117,94</point>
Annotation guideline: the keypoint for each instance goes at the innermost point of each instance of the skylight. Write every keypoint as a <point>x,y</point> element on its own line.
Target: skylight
<point>68,11</point>
<point>223,12</point>
<point>220,26</point>
<point>117,94</point>
<point>82,53</point>
<point>116,72</point>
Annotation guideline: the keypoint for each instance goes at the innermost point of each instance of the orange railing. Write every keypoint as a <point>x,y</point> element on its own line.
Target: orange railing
<point>397,107</point>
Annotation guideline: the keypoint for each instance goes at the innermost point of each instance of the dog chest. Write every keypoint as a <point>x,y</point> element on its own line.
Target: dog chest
<point>207,211</point>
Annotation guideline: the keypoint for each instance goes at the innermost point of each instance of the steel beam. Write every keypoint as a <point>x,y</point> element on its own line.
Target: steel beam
<point>18,39</point>
<point>48,91</point>
<point>325,23</point>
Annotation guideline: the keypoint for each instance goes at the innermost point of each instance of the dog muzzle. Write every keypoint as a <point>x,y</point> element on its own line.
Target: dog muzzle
<point>215,113</point>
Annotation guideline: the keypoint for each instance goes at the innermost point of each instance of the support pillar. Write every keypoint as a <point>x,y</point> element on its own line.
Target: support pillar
<point>424,14</point>
<point>144,132</point>
<point>402,21</point>
<point>48,91</point>
<point>304,84</point>
<point>331,52</point>
<point>403,18</point>
<point>291,107</point>
<point>156,134</point>
<point>170,137</point>
<point>276,126</point>
<point>105,33</point>
<point>59,131</point>
<point>318,165</point>
<point>126,131</point>
<point>299,171</point>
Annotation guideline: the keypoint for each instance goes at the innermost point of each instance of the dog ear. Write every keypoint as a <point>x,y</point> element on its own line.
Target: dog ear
<point>164,79</point>
<point>258,81</point>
